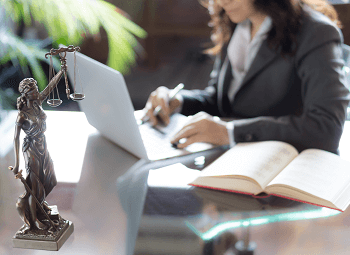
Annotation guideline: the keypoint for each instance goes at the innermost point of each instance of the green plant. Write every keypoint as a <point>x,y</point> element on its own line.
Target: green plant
<point>66,21</point>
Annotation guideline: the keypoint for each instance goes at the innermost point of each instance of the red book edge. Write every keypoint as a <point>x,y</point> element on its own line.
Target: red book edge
<point>255,196</point>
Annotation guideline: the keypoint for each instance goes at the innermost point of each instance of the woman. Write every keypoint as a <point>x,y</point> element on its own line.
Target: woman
<point>278,73</point>
<point>39,167</point>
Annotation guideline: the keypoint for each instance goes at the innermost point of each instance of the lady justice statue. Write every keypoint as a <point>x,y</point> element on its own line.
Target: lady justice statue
<point>41,222</point>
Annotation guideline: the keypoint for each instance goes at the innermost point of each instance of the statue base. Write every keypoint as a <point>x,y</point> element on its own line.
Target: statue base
<point>44,239</point>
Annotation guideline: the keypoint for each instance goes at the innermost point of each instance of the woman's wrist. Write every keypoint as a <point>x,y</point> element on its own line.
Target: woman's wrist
<point>230,130</point>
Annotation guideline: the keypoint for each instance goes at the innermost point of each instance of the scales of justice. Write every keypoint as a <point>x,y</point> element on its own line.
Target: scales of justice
<point>43,227</point>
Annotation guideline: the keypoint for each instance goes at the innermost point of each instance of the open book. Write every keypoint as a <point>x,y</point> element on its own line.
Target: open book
<point>314,176</point>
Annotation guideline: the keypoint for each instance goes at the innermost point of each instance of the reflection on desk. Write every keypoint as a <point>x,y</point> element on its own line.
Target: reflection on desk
<point>184,220</point>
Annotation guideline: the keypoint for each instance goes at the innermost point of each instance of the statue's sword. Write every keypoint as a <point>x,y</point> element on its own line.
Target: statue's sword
<point>20,176</point>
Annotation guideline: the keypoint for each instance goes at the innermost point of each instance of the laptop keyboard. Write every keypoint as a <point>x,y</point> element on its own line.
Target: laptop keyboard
<point>157,140</point>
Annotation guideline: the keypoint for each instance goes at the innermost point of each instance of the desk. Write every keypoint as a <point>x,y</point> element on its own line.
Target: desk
<point>102,189</point>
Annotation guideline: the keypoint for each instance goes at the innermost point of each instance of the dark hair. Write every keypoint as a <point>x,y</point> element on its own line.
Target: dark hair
<point>286,22</point>
<point>25,86</point>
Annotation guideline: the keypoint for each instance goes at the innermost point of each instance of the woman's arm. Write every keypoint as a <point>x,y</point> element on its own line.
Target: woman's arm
<point>195,101</point>
<point>325,99</point>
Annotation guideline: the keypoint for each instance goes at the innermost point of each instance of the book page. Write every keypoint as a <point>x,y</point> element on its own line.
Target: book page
<point>319,173</point>
<point>261,161</point>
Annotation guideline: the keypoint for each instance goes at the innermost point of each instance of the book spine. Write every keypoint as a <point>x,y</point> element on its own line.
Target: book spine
<point>272,194</point>
<point>302,201</point>
<point>232,191</point>
<point>227,190</point>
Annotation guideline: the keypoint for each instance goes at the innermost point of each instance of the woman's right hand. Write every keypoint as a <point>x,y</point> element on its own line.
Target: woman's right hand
<point>160,97</point>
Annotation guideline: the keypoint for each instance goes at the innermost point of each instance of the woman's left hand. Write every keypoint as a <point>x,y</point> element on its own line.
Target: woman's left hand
<point>202,127</point>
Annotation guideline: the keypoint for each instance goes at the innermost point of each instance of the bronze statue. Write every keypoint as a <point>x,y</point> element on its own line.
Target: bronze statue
<point>39,221</point>
<point>39,167</point>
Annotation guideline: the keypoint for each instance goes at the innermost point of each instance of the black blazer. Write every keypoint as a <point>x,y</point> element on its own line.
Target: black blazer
<point>300,100</point>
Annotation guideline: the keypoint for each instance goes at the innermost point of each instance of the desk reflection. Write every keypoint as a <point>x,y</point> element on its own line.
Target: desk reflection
<point>109,196</point>
<point>189,220</point>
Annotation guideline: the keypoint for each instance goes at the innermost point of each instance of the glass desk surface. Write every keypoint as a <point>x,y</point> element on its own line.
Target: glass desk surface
<point>119,206</point>
<point>197,221</point>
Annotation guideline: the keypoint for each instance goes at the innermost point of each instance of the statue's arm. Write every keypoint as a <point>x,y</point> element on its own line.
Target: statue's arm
<point>18,127</point>
<point>52,84</point>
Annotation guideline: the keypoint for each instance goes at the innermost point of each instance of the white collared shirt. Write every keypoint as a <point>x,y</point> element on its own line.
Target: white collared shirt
<point>242,50</point>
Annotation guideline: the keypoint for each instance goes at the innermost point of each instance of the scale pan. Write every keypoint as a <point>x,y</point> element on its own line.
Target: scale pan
<point>77,96</point>
<point>54,102</point>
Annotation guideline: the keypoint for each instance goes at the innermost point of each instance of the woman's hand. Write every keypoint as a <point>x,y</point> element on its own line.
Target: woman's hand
<point>160,97</point>
<point>202,127</point>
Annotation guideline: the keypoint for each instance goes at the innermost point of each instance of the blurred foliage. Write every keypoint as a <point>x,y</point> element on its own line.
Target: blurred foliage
<point>8,99</point>
<point>67,22</point>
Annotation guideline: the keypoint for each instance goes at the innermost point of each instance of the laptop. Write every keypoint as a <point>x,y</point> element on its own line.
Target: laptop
<point>108,107</point>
